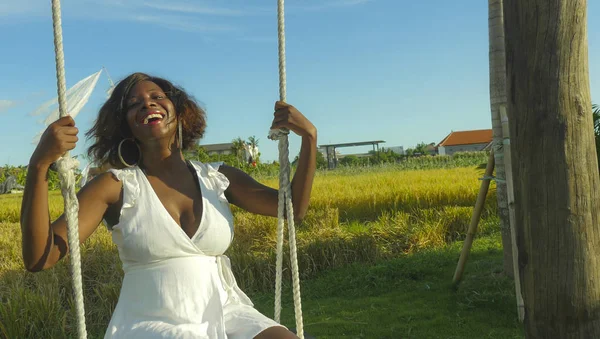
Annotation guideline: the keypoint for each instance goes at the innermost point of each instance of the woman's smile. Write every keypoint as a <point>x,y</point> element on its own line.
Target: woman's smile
<point>151,118</point>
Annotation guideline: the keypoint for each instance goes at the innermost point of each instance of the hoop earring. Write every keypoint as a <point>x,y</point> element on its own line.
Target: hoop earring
<point>121,155</point>
<point>180,135</point>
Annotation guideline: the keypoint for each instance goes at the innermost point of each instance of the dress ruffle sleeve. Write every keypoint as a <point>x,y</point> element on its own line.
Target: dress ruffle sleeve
<point>219,179</point>
<point>131,188</point>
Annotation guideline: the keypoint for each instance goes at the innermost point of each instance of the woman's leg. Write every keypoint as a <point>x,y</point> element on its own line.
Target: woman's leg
<point>276,332</point>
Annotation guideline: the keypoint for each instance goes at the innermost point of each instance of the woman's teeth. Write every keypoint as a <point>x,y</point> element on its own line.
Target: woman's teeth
<point>151,116</point>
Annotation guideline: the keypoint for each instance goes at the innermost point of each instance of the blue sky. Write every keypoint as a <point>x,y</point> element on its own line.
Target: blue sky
<point>399,71</point>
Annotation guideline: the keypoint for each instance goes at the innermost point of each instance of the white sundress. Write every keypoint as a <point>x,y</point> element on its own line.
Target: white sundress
<point>176,286</point>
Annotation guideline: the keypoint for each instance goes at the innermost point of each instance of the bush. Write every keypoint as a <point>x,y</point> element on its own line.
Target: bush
<point>20,172</point>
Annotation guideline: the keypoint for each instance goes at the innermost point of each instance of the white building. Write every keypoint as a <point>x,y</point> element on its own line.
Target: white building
<point>223,148</point>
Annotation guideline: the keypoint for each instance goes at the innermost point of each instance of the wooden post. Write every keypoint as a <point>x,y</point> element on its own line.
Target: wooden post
<point>483,190</point>
<point>497,76</point>
<point>555,167</point>
<point>511,211</point>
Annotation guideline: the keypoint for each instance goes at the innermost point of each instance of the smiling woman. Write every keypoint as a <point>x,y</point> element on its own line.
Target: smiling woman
<point>112,127</point>
<point>170,218</point>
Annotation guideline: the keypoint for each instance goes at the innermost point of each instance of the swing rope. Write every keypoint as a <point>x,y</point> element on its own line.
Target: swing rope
<point>65,166</point>
<point>285,193</point>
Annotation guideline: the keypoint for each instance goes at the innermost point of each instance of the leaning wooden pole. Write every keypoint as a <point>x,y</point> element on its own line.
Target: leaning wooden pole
<point>511,211</point>
<point>479,204</point>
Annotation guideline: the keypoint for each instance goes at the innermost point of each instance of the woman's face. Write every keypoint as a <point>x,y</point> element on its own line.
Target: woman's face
<point>150,113</point>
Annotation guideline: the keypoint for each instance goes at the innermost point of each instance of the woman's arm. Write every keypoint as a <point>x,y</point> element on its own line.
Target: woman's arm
<point>37,237</point>
<point>305,173</point>
<point>45,243</point>
<point>255,197</point>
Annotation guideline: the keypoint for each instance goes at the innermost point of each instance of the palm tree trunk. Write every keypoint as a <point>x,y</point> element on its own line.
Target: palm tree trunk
<point>557,187</point>
<point>498,98</point>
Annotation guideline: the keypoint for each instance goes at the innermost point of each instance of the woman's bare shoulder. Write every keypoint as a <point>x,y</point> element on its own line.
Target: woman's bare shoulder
<point>105,186</point>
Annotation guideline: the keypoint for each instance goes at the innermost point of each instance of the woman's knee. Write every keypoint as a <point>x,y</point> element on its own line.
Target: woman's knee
<point>276,332</point>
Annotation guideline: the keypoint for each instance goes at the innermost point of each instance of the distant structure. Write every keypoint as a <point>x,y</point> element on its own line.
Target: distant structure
<point>431,149</point>
<point>465,141</point>
<point>250,153</point>
<point>332,155</point>
<point>221,149</point>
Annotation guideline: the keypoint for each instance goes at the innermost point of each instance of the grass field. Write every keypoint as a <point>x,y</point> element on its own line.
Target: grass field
<point>377,252</point>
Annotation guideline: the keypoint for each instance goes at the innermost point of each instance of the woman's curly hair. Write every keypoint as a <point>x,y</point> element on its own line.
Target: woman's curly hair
<point>111,125</point>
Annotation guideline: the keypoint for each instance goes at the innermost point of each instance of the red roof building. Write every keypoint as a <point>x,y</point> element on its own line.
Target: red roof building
<point>465,141</point>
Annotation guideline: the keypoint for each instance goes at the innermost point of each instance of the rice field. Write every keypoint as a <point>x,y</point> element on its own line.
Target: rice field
<point>356,217</point>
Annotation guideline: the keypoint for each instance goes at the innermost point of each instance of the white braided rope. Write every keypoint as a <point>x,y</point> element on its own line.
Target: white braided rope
<point>280,135</point>
<point>285,193</point>
<point>67,179</point>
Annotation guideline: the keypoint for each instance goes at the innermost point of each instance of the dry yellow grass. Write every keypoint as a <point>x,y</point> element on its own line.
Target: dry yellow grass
<point>353,218</point>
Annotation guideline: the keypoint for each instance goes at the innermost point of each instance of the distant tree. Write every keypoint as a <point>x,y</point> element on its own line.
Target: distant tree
<point>349,160</point>
<point>321,161</point>
<point>238,149</point>
<point>382,156</point>
<point>202,154</point>
<point>196,153</point>
<point>253,142</point>
<point>421,148</point>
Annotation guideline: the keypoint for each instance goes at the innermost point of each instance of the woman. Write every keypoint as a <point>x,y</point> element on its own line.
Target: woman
<point>169,218</point>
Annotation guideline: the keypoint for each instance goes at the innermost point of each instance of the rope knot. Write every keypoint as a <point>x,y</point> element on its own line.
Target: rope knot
<point>66,167</point>
<point>278,134</point>
<point>66,164</point>
<point>498,146</point>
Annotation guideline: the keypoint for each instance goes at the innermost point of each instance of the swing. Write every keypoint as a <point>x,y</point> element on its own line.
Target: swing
<point>66,166</point>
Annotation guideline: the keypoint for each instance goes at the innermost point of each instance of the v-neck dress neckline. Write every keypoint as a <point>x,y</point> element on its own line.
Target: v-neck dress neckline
<point>162,207</point>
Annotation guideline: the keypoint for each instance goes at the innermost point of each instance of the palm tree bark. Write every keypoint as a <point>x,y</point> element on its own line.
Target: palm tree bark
<point>557,187</point>
<point>497,99</point>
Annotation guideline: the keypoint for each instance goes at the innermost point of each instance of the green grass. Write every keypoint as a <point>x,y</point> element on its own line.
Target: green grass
<point>376,254</point>
<point>409,297</point>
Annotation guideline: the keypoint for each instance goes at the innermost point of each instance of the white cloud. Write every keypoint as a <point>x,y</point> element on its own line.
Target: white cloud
<point>103,8</point>
<point>194,9</point>
<point>180,23</point>
<point>29,8</point>
<point>355,2</point>
<point>182,15</point>
<point>259,39</point>
<point>5,105</point>
<point>323,5</point>
<point>186,18</point>
<point>22,7</point>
